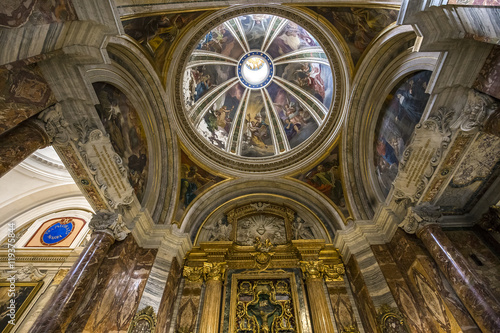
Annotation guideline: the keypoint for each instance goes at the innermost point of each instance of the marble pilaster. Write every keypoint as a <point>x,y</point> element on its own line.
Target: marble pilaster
<point>19,143</point>
<point>314,271</point>
<point>61,309</point>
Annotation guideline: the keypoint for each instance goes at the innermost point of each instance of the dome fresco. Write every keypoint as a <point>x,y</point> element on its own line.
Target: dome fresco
<point>257,86</point>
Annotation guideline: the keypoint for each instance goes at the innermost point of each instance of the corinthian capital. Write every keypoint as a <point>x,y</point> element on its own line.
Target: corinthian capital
<point>419,216</point>
<point>214,270</point>
<point>312,269</point>
<point>111,223</point>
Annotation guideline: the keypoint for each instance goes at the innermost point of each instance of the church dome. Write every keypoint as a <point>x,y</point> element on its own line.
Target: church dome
<point>257,89</point>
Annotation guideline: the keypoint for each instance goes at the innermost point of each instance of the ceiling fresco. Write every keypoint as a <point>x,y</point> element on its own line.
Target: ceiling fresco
<point>121,121</point>
<point>158,33</point>
<point>194,180</point>
<point>401,111</point>
<point>358,26</point>
<point>15,13</point>
<point>257,85</point>
<point>326,177</point>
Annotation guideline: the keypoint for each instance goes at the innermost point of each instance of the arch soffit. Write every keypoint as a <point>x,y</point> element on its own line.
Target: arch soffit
<point>386,63</point>
<point>276,190</point>
<point>130,71</point>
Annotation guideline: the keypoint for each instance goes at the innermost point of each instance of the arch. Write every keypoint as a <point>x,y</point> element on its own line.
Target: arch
<point>388,60</point>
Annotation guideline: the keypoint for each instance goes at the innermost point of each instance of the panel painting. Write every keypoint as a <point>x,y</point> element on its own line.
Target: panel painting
<point>125,130</point>
<point>401,111</point>
<point>256,139</point>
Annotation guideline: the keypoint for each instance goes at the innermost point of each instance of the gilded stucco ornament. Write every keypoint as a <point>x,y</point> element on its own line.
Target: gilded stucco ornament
<point>334,272</point>
<point>193,274</point>
<point>312,269</point>
<point>144,321</point>
<point>214,270</point>
<point>111,223</point>
<point>420,216</point>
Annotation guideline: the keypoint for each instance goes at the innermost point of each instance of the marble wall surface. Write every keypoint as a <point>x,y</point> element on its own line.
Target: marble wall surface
<point>343,311</point>
<point>189,307</point>
<point>432,293</point>
<point>416,316</point>
<point>165,312</point>
<point>488,80</point>
<point>23,93</point>
<point>362,297</point>
<point>485,263</point>
<point>111,303</point>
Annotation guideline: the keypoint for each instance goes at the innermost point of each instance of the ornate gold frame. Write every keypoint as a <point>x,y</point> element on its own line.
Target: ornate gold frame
<point>263,276</point>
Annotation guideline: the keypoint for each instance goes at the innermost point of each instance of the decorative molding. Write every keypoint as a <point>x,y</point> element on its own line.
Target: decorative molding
<point>28,273</point>
<point>54,124</point>
<point>106,166</point>
<point>477,109</point>
<point>144,321</point>
<point>111,223</point>
<point>420,216</point>
<point>193,274</point>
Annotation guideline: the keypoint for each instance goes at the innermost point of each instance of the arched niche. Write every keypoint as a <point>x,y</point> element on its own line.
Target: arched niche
<point>130,72</point>
<point>389,60</point>
<point>243,220</point>
<point>231,193</point>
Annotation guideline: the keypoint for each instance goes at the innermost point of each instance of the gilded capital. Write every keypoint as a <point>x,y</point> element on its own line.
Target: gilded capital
<point>334,272</point>
<point>214,270</point>
<point>312,269</point>
<point>193,274</point>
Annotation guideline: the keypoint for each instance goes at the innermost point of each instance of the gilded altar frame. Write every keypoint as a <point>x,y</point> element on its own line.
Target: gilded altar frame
<point>265,276</point>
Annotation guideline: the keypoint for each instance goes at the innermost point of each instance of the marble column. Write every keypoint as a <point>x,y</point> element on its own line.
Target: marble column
<point>210,316</point>
<point>60,310</point>
<point>313,271</point>
<point>474,294</point>
<point>19,143</point>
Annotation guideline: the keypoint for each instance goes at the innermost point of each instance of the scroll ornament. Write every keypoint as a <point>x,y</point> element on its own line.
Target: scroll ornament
<point>109,222</point>
<point>420,216</point>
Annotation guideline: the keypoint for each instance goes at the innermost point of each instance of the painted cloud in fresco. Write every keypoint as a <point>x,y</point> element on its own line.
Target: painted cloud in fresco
<point>400,113</point>
<point>288,102</point>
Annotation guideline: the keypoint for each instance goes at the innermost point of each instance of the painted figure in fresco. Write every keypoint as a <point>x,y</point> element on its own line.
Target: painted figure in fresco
<point>326,179</point>
<point>191,184</point>
<point>312,79</point>
<point>256,131</point>
<point>202,87</point>
<point>255,29</point>
<point>291,129</point>
<point>387,152</point>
